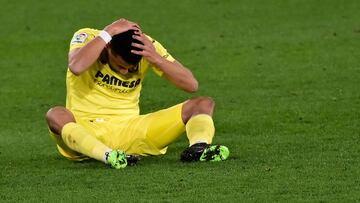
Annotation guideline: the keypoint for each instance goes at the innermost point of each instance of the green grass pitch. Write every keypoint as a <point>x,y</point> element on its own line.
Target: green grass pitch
<point>284,74</point>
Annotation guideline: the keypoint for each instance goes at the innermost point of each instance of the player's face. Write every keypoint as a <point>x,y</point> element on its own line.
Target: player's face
<point>118,64</point>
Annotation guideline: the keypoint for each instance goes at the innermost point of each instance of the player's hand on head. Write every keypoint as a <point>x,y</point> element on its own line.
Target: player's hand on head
<point>147,48</point>
<point>120,26</point>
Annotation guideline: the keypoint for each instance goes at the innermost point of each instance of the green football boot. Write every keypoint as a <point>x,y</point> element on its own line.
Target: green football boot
<point>116,159</point>
<point>205,152</point>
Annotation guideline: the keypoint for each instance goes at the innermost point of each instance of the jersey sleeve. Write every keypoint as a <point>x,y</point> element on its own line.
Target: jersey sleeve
<point>163,53</point>
<point>82,37</point>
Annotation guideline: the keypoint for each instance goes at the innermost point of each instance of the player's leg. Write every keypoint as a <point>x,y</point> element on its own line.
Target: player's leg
<point>197,115</point>
<point>63,125</point>
<point>164,126</point>
<point>192,116</point>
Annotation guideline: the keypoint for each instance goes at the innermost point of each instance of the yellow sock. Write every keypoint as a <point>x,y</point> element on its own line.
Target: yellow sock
<point>79,139</point>
<point>200,128</point>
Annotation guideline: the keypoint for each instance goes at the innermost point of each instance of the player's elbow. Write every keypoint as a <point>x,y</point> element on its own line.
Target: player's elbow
<point>74,71</point>
<point>192,87</point>
<point>74,68</point>
<point>76,65</point>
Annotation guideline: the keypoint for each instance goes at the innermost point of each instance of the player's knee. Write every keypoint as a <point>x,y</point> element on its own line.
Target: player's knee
<point>197,105</point>
<point>203,105</point>
<point>209,102</point>
<point>57,117</point>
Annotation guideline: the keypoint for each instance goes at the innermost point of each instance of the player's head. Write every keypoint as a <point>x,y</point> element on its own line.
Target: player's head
<point>120,47</point>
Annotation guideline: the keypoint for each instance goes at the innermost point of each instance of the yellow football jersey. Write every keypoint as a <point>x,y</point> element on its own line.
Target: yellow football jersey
<point>100,92</point>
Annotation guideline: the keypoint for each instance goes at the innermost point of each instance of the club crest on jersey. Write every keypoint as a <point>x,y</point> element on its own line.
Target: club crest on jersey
<point>79,38</point>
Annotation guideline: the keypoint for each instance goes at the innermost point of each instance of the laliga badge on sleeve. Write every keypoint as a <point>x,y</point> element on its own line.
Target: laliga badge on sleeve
<point>79,38</point>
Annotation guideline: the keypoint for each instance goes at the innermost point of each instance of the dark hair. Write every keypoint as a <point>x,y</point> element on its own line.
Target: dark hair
<point>120,44</point>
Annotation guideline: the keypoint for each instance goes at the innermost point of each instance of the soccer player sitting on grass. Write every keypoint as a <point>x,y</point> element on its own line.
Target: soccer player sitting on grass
<point>101,119</point>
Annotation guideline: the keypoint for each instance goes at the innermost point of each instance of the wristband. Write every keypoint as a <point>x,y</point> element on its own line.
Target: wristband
<point>105,36</point>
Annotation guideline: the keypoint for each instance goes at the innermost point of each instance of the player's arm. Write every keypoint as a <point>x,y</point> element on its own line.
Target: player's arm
<point>175,72</point>
<point>82,58</point>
